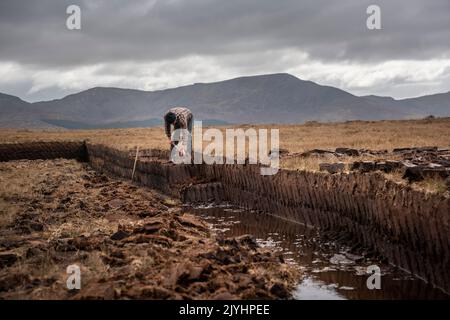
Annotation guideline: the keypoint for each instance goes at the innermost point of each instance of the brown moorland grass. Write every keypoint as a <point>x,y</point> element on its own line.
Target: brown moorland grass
<point>375,135</point>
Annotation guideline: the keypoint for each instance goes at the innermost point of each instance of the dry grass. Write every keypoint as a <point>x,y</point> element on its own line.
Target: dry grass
<point>372,135</point>
<point>432,186</point>
<point>124,139</point>
<point>375,135</point>
<point>396,176</point>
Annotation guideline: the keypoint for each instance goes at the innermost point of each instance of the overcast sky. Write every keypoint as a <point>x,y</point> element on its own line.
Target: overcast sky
<point>157,44</point>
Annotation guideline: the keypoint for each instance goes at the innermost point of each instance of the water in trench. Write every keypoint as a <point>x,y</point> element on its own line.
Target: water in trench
<point>329,271</point>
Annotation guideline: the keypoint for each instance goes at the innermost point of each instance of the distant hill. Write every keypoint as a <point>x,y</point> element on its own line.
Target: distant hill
<point>275,98</point>
<point>436,104</point>
<point>68,124</point>
<point>16,113</point>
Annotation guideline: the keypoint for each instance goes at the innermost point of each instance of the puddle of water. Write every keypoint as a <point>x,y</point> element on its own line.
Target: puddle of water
<point>329,271</point>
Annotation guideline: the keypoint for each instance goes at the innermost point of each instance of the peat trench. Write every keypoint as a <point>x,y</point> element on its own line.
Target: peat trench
<point>331,226</point>
<point>330,270</point>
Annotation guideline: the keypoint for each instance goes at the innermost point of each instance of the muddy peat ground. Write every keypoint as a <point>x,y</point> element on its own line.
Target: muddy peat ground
<point>129,242</point>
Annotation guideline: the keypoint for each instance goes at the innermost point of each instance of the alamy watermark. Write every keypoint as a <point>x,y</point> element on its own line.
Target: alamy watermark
<point>234,151</point>
<point>73,21</point>
<point>374,280</point>
<point>373,21</point>
<point>73,281</point>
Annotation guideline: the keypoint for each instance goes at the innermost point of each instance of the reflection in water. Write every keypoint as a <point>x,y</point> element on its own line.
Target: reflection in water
<point>330,271</point>
<point>311,289</point>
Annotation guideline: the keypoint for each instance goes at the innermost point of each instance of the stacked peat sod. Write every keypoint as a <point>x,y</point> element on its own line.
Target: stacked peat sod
<point>45,150</point>
<point>417,164</point>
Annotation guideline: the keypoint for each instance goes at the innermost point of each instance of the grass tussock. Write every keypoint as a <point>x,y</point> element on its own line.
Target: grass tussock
<point>432,186</point>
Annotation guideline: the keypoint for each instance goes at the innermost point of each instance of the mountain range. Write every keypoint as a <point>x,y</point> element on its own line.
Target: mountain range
<point>274,98</point>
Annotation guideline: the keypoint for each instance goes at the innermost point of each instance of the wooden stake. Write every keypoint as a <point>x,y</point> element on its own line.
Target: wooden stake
<point>135,161</point>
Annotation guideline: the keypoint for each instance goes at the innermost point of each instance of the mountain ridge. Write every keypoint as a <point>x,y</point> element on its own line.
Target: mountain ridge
<point>274,98</point>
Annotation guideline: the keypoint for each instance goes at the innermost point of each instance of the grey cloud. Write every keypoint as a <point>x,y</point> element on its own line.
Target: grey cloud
<point>33,32</point>
<point>147,43</point>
